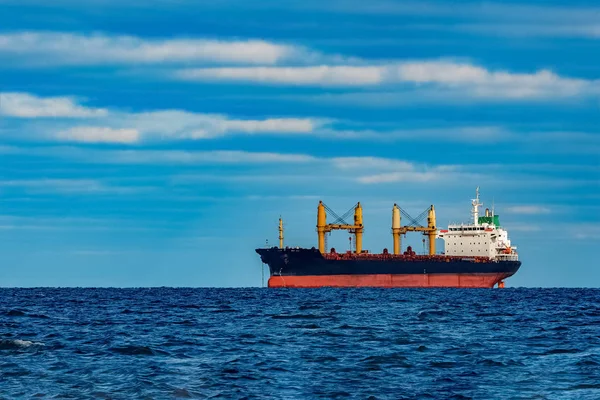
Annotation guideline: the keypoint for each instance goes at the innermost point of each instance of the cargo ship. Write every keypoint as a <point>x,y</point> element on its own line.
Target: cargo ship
<point>477,254</point>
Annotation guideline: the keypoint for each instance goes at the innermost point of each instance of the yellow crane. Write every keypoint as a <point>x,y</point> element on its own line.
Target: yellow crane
<point>397,229</point>
<point>339,224</point>
<point>357,227</point>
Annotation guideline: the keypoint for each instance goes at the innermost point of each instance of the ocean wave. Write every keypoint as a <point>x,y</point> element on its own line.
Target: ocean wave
<point>134,350</point>
<point>16,344</point>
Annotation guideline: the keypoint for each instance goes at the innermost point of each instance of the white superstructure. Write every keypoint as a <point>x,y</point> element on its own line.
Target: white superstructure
<point>482,238</point>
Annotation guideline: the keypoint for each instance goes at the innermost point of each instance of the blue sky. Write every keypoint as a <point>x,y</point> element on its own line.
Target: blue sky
<point>156,143</point>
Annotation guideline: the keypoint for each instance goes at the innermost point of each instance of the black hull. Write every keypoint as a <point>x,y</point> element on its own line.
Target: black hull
<point>310,262</point>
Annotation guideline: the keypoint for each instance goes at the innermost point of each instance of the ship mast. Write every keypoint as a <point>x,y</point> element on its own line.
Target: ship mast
<point>476,204</point>
<point>280,233</point>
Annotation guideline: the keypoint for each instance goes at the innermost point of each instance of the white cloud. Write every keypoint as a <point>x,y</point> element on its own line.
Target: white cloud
<point>186,125</point>
<point>430,78</point>
<point>25,105</point>
<point>216,157</point>
<point>405,176</point>
<point>202,157</point>
<point>476,10</point>
<point>276,125</point>
<point>468,10</point>
<point>371,163</point>
<point>76,49</point>
<point>177,124</point>
<point>71,186</point>
<point>590,30</point>
<point>113,126</point>
<point>323,75</point>
<point>483,83</point>
<point>382,170</point>
<point>528,209</point>
<point>441,72</point>
<point>92,134</point>
<point>138,156</point>
<point>59,185</point>
<point>470,79</point>
<point>385,170</point>
<point>417,173</point>
<point>361,169</point>
<point>584,231</point>
<point>288,179</point>
<point>104,126</point>
<point>374,165</point>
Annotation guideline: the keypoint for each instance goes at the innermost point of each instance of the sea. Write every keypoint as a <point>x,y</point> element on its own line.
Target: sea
<point>259,343</point>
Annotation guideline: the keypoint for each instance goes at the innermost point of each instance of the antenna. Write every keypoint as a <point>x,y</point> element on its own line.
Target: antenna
<point>475,210</point>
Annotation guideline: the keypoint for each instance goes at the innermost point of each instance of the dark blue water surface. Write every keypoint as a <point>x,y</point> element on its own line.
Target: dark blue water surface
<point>166,343</point>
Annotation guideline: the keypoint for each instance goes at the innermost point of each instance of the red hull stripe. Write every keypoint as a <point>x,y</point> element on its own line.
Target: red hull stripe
<point>389,280</point>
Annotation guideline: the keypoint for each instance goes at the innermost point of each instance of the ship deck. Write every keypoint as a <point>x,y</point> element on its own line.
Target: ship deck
<point>402,257</point>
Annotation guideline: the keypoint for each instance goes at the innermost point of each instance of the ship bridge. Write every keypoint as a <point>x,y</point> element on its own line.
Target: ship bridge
<point>483,238</point>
